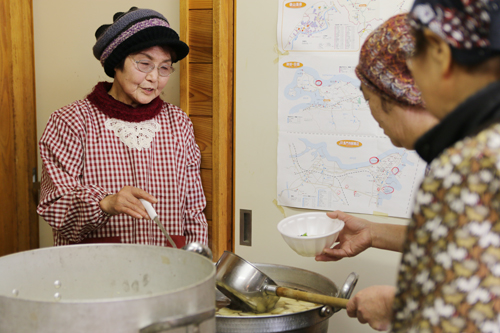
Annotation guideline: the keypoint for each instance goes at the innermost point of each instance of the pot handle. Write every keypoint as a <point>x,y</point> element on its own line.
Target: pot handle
<point>308,297</point>
<point>176,322</point>
<point>347,288</point>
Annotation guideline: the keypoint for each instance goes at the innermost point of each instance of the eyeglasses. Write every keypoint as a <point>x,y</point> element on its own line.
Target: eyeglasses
<point>147,66</point>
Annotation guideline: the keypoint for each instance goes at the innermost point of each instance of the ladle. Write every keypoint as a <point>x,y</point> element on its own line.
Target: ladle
<point>199,248</point>
<point>253,290</point>
<point>154,216</point>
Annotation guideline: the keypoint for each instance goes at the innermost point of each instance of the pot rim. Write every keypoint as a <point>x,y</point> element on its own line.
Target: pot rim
<point>130,298</point>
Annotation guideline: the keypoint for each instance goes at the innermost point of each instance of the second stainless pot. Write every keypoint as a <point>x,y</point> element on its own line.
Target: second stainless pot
<point>310,321</point>
<point>242,282</point>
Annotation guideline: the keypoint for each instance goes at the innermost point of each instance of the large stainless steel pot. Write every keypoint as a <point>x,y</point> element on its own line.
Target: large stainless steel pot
<point>107,288</point>
<point>311,321</point>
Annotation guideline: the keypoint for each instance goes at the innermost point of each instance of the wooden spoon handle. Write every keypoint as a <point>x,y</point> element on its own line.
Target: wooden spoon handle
<point>311,297</point>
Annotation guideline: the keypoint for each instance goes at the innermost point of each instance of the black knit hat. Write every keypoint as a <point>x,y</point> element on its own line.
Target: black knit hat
<point>133,31</point>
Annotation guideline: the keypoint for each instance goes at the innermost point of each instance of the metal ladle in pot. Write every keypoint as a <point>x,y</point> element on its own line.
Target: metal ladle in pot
<point>253,290</point>
<point>199,248</point>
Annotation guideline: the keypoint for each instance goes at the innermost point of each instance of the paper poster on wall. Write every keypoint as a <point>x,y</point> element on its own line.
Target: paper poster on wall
<point>321,94</point>
<point>346,172</point>
<point>331,152</point>
<point>333,25</point>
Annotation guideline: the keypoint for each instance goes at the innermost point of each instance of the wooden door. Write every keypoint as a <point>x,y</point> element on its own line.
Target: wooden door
<point>207,97</point>
<point>18,154</point>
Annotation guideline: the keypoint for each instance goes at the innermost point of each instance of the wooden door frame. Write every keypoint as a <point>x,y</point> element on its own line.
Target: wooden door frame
<point>18,183</point>
<point>218,176</point>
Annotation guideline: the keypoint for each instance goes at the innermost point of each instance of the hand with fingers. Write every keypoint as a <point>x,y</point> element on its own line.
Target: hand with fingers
<point>354,238</point>
<point>373,305</point>
<point>359,234</point>
<point>126,201</point>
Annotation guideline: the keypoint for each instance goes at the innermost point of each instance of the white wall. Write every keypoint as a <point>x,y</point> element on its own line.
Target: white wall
<point>255,169</point>
<point>65,67</point>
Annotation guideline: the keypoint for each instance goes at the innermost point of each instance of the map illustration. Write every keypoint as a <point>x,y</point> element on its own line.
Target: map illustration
<point>329,103</point>
<point>335,25</point>
<point>329,175</point>
<point>331,152</point>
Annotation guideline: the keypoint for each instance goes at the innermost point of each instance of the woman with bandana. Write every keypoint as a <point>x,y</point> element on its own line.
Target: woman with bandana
<point>122,143</point>
<point>397,105</point>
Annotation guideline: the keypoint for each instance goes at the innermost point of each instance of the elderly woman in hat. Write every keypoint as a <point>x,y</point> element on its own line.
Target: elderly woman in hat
<point>123,143</point>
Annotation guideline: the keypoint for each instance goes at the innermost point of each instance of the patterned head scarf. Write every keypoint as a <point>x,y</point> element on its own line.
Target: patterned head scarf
<point>470,27</point>
<point>382,62</point>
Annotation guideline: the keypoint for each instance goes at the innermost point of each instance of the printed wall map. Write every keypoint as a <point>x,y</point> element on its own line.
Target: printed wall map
<point>331,152</point>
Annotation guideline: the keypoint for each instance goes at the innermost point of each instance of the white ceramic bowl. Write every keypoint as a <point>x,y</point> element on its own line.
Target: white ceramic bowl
<point>321,232</point>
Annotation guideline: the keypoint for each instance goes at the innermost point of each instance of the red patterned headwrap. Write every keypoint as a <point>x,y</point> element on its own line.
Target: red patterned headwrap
<point>382,62</point>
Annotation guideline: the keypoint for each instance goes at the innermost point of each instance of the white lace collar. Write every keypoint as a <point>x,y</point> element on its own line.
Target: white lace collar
<point>135,135</point>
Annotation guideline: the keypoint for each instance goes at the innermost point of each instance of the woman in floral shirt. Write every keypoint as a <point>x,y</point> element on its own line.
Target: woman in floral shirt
<point>449,279</point>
